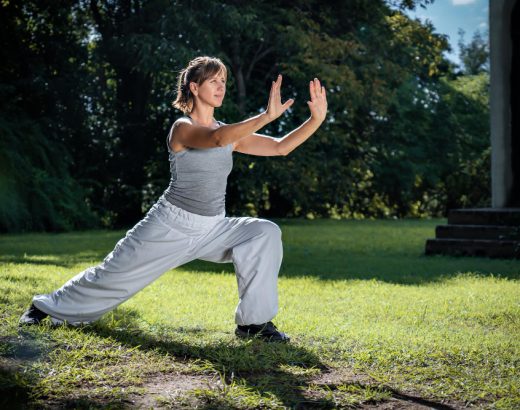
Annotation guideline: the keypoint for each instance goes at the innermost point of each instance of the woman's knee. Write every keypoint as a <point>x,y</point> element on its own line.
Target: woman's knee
<point>269,229</point>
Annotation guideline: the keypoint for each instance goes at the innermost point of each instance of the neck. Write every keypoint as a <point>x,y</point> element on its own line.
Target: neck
<point>203,115</point>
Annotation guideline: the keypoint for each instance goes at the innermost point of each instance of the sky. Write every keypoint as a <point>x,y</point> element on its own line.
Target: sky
<point>447,16</point>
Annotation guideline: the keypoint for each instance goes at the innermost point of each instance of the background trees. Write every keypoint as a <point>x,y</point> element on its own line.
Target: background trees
<point>475,54</point>
<point>86,89</point>
<point>43,80</point>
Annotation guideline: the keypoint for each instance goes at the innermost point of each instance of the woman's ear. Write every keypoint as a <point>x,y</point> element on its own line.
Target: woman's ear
<point>194,88</point>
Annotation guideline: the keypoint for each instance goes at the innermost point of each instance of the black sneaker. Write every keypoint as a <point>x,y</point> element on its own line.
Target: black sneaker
<point>32,316</point>
<point>266,331</point>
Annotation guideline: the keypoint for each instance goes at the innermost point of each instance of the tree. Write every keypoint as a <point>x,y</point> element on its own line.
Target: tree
<point>92,80</point>
<point>41,79</point>
<point>474,55</point>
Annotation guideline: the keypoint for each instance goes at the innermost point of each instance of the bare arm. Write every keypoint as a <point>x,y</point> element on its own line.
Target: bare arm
<point>263,145</point>
<point>196,136</point>
<point>267,146</point>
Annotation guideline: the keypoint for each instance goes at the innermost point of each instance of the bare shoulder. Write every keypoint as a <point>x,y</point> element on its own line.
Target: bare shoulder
<point>177,129</point>
<point>185,132</point>
<point>180,124</point>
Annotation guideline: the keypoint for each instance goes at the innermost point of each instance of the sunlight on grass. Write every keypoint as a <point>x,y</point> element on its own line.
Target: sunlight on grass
<point>354,295</point>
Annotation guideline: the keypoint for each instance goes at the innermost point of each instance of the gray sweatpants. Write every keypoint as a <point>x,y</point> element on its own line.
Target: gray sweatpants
<point>168,237</point>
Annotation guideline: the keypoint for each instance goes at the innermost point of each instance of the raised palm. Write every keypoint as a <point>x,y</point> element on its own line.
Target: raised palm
<point>318,103</point>
<point>275,108</point>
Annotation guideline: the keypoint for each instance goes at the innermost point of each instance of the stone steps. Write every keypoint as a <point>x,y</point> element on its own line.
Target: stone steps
<point>486,232</point>
<point>499,232</point>
<point>485,216</point>
<point>474,247</point>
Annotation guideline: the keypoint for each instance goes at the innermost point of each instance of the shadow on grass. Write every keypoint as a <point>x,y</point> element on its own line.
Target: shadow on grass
<point>388,251</point>
<point>394,269</point>
<point>57,249</point>
<point>66,261</point>
<point>258,366</point>
<point>398,269</point>
<point>19,381</point>
<point>16,353</point>
<point>17,392</point>
<point>14,390</point>
<point>270,370</point>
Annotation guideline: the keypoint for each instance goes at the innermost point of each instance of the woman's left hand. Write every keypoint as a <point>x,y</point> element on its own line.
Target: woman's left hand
<point>318,102</point>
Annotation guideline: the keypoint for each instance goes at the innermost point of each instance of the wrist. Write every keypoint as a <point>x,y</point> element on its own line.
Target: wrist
<point>264,118</point>
<point>315,121</point>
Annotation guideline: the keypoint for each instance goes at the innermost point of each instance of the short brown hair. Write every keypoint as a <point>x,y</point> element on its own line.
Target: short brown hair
<point>198,70</point>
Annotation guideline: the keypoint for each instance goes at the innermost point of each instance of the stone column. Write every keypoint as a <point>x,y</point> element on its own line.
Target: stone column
<point>505,155</point>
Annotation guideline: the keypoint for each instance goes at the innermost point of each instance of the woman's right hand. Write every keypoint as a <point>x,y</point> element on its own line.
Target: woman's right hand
<point>275,108</point>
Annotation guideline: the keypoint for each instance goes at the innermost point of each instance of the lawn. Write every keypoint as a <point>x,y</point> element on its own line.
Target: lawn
<point>373,322</point>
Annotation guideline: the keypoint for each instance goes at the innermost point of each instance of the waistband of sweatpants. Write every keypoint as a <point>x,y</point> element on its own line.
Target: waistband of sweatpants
<point>187,218</point>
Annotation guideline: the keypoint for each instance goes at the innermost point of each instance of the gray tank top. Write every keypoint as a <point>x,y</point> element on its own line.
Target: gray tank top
<point>199,178</point>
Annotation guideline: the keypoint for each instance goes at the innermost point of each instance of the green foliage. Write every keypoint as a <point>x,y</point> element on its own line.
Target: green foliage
<point>40,79</point>
<point>434,146</point>
<point>36,189</point>
<point>335,168</point>
<point>474,55</point>
<point>93,82</point>
<point>469,185</point>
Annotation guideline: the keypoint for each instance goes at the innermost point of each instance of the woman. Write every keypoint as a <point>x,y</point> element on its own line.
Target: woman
<point>188,222</point>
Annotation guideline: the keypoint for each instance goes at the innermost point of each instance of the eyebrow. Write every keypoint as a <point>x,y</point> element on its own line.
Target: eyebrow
<point>220,74</point>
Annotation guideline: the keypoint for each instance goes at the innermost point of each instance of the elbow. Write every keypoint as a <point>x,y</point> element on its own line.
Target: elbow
<point>283,152</point>
<point>217,138</point>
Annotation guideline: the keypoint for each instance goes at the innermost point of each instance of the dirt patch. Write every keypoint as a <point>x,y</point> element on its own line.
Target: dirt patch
<point>331,378</point>
<point>172,390</point>
<point>163,389</point>
<point>396,404</point>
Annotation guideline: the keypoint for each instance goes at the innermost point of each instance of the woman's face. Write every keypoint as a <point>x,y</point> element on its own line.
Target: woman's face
<point>212,91</point>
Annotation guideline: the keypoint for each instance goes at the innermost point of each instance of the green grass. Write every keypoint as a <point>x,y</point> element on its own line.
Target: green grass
<point>371,319</point>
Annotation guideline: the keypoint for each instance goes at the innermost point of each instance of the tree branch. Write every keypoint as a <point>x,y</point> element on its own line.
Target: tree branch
<point>257,57</point>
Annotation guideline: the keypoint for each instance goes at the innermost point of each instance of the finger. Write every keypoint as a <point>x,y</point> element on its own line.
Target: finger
<point>273,84</point>
<point>272,94</point>
<point>312,90</point>
<point>323,92</point>
<point>288,103</point>
<point>317,86</point>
